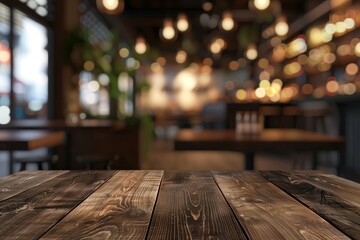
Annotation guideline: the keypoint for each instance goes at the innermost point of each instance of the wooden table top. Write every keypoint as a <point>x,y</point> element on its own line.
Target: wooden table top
<point>178,205</point>
<point>29,139</point>
<point>268,139</point>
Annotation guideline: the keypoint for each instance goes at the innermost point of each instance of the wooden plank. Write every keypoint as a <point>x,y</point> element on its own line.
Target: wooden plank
<point>333,198</point>
<point>190,206</point>
<point>120,209</point>
<point>266,212</point>
<point>21,181</point>
<point>30,214</point>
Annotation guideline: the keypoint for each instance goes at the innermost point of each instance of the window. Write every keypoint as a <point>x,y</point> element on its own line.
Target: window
<point>24,60</point>
<point>30,85</point>
<point>5,59</point>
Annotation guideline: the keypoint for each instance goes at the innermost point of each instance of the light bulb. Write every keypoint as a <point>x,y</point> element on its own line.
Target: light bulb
<point>110,6</point>
<point>168,31</point>
<point>281,27</point>
<point>261,4</point>
<point>251,52</point>
<point>140,46</point>
<point>227,22</point>
<point>182,23</point>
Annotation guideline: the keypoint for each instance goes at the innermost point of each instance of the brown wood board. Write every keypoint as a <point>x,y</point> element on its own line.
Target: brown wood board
<point>21,181</point>
<point>32,212</point>
<point>190,206</point>
<point>328,196</point>
<point>120,209</point>
<point>266,212</point>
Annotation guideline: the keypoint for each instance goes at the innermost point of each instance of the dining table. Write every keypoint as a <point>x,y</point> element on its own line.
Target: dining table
<point>26,140</point>
<point>173,204</point>
<point>280,140</point>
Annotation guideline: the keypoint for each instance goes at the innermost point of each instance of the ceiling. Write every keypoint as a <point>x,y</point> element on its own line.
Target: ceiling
<point>145,18</point>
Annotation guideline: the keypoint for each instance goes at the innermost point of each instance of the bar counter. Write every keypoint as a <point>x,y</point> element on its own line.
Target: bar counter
<point>158,204</point>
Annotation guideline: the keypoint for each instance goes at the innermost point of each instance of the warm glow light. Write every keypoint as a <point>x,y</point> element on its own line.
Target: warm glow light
<point>227,22</point>
<point>89,66</point>
<point>182,23</point>
<point>261,4</point>
<point>296,47</point>
<point>140,46</point>
<point>332,86</point>
<point>281,27</point>
<point>207,6</point>
<point>241,94</point>
<point>124,52</point>
<point>263,63</point>
<point>234,65</point>
<point>318,36</point>
<point>217,46</point>
<point>181,56</point>
<point>251,52</point>
<point>357,49</point>
<point>329,58</point>
<point>349,88</point>
<point>264,75</point>
<point>279,52</point>
<point>292,69</point>
<point>260,92</point>
<point>307,89</point>
<point>110,6</point>
<point>330,28</point>
<point>352,69</point>
<point>349,23</point>
<point>161,61</point>
<point>208,61</point>
<point>340,27</point>
<point>168,31</point>
<point>264,84</point>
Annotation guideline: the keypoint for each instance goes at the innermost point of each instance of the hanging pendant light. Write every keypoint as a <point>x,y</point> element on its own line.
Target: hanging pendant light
<point>111,7</point>
<point>281,26</point>
<point>261,4</point>
<point>168,32</point>
<point>141,46</point>
<point>227,22</point>
<point>251,52</point>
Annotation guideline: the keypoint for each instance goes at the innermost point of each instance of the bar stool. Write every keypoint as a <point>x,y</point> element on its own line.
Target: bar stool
<point>39,160</point>
<point>92,160</point>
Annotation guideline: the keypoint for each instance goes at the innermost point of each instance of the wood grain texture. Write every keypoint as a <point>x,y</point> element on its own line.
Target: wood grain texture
<point>21,181</point>
<point>190,206</point>
<point>266,212</point>
<point>120,209</point>
<point>333,198</point>
<point>29,214</point>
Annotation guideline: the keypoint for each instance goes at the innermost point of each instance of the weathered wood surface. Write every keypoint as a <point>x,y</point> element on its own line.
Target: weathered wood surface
<point>21,181</point>
<point>334,199</point>
<point>190,206</point>
<point>29,214</point>
<point>120,209</point>
<point>178,205</point>
<point>266,212</point>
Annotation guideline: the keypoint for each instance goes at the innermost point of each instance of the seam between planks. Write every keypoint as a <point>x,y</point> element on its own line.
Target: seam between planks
<point>80,202</point>
<point>156,202</point>
<point>228,203</point>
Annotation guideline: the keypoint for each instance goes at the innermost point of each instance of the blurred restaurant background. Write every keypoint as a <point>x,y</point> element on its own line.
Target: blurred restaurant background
<point>121,77</point>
